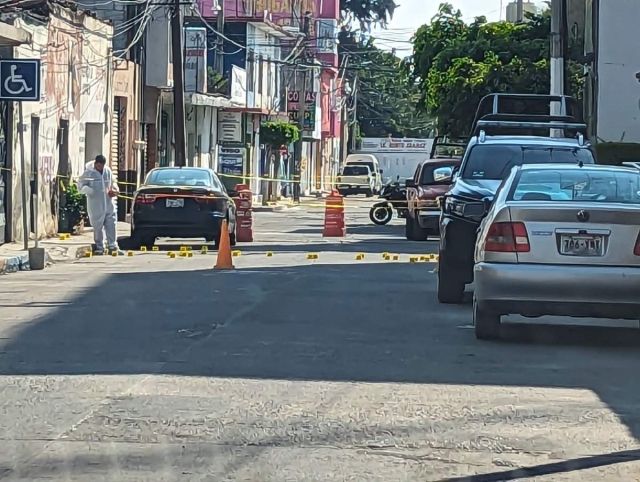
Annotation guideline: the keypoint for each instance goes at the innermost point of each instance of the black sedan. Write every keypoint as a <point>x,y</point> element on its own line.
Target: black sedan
<point>181,202</point>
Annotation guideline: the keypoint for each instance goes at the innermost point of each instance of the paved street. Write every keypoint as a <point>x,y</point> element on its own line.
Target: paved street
<point>290,369</point>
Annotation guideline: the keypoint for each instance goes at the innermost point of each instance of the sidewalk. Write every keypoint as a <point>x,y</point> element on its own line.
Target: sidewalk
<point>14,258</point>
<point>286,204</point>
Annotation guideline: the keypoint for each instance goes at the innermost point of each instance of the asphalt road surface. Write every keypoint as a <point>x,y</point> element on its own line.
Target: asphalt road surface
<point>291,369</point>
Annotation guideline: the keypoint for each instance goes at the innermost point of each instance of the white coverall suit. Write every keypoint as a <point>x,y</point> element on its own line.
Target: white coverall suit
<point>102,209</point>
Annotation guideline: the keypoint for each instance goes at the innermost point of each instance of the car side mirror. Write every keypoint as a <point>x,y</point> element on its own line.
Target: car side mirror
<point>442,175</point>
<point>410,183</point>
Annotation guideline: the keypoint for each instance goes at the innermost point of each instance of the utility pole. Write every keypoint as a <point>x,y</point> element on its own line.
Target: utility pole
<point>557,55</point>
<point>178,85</point>
<point>301,83</point>
<point>220,41</point>
<point>519,11</point>
<point>354,123</point>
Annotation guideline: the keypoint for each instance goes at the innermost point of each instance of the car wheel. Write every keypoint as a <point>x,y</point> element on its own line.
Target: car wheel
<point>408,228</point>
<point>450,289</point>
<point>381,214</point>
<point>419,233</point>
<point>232,236</point>
<point>486,323</point>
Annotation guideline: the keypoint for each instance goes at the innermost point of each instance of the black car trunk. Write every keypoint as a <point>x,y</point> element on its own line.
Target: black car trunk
<point>179,205</point>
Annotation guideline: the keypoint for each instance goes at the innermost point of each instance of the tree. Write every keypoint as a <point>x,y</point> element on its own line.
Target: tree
<point>386,103</point>
<point>456,64</point>
<point>367,12</point>
<point>275,135</point>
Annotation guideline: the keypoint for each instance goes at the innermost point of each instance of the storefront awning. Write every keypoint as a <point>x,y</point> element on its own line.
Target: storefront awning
<point>11,36</point>
<point>204,100</point>
<point>208,100</point>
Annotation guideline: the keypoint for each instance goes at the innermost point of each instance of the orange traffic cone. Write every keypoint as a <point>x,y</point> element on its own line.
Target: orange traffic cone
<point>224,249</point>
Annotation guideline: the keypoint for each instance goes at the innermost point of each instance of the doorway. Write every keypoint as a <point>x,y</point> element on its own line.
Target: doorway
<point>62,178</point>
<point>94,139</point>
<point>5,184</point>
<point>33,178</point>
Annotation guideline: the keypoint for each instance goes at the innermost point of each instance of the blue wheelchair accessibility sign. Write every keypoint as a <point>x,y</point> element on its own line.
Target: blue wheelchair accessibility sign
<point>20,79</point>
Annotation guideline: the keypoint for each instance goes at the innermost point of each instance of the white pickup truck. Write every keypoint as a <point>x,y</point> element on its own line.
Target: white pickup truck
<point>356,179</point>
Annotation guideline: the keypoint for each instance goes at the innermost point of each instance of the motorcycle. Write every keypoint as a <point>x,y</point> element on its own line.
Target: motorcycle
<point>395,197</point>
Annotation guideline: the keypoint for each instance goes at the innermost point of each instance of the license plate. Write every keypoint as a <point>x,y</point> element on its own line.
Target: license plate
<point>175,203</point>
<point>581,245</point>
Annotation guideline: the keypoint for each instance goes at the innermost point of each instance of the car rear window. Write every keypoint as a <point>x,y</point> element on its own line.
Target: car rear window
<point>496,161</point>
<point>445,151</point>
<point>180,177</point>
<point>589,185</point>
<point>362,163</point>
<point>355,171</point>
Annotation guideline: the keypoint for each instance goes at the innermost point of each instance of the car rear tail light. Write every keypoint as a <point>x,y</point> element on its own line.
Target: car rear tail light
<point>204,200</point>
<point>636,249</point>
<point>145,198</point>
<point>507,237</point>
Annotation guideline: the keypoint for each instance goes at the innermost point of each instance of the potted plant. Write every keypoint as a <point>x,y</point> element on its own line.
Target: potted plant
<point>73,211</point>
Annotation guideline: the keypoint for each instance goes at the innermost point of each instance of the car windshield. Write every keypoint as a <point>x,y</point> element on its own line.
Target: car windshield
<point>496,161</point>
<point>180,177</point>
<point>355,171</point>
<point>577,185</point>
<point>428,170</point>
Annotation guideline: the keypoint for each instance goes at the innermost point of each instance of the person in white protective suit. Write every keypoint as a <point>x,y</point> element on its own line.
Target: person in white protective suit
<point>101,190</point>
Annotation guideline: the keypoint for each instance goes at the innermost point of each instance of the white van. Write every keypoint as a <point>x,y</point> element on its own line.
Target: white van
<point>372,163</point>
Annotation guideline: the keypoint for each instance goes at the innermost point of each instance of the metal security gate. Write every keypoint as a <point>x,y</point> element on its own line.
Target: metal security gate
<point>115,139</point>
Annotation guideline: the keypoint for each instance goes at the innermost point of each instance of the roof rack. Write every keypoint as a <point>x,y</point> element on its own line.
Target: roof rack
<point>510,114</point>
<point>446,141</point>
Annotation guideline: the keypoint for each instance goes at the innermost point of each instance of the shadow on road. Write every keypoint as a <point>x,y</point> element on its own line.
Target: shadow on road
<point>582,463</point>
<point>360,322</point>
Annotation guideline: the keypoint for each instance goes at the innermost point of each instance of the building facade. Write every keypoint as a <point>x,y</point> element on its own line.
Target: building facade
<point>70,124</point>
<point>512,10</point>
<point>612,86</point>
<point>265,39</point>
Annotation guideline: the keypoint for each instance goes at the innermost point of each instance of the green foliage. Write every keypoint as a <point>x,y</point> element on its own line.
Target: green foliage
<point>74,202</point>
<point>278,134</point>
<point>456,64</point>
<point>615,153</point>
<point>386,102</point>
<point>368,12</point>
<point>216,83</point>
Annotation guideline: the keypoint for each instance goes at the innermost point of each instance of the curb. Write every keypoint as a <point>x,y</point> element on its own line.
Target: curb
<point>271,209</point>
<point>20,262</point>
<point>15,263</point>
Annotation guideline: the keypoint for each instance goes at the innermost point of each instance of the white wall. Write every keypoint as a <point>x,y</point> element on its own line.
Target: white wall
<point>261,43</point>
<point>618,61</point>
<point>158,49</point>
<point>207,127</point>
<point>75,86</point>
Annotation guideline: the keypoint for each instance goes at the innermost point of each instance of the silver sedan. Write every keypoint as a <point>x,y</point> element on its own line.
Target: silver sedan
<point>559,240</point>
